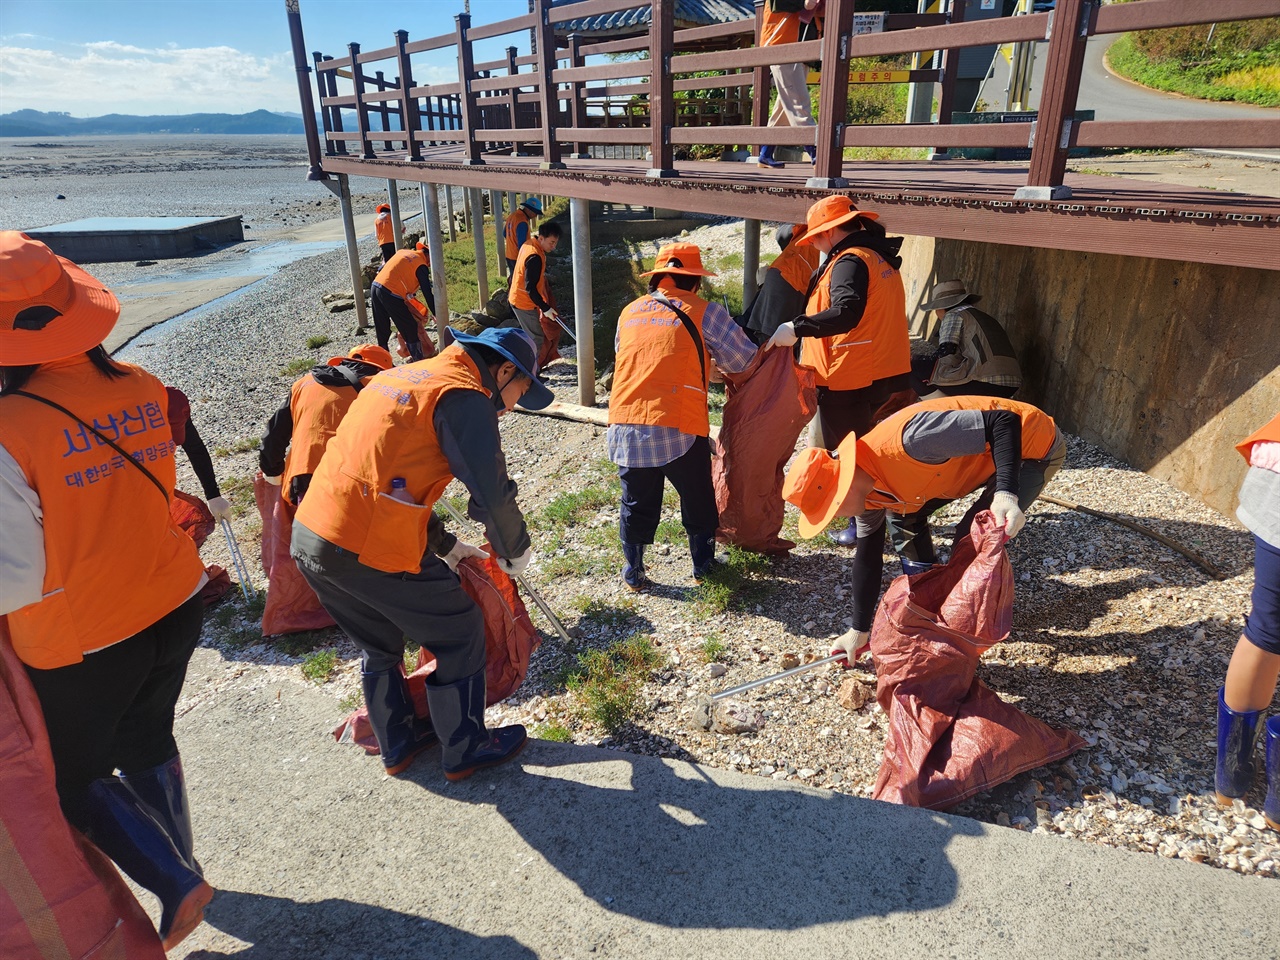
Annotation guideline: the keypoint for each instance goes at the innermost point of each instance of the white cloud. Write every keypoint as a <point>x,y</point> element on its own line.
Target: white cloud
<point>110,77</point>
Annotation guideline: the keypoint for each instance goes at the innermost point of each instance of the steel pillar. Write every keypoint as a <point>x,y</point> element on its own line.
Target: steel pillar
<point>353,252</point>
<point>453,231</point>
<point>393,199</point>
<point>477,235</point>
<point>750,261</point>
<point>435,248</point>
<point>495,203</point>
<point>583,310</point>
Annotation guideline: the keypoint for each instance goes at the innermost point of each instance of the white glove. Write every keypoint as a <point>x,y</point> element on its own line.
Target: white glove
<point>1007,513</point>
<point>852,644</point>
<point>274,481</point>
<point>220,508</point>
<point>784,336</point>
<point>461,551</point>
<point>551,315</point>
<point>514,566</point>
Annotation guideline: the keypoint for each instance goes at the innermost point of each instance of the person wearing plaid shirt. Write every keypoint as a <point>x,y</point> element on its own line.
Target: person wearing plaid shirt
<point>974,356</point>
<point>658,423</point>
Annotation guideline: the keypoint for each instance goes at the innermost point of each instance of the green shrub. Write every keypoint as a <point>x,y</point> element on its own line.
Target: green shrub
<point>607,683</point>
<point>319,666</point>
<point>318,341</point>
<point>555,732</point>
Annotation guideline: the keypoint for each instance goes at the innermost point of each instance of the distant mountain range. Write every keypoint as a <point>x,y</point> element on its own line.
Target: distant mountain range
<point>34,123</point>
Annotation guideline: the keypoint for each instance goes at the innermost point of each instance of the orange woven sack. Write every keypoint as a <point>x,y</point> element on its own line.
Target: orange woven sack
<point>767,406</point>
<point>509,641</point>
<point>59,897</point>
<point>292,606</point>
<point>950,736</point>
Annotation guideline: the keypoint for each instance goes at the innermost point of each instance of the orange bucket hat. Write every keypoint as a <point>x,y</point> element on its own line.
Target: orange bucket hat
<point>818,483</point>
<point>383,208</point>
<point>50,309</point>
<point>367,353</point>
<point>830,212</point>
<point>683,258</point>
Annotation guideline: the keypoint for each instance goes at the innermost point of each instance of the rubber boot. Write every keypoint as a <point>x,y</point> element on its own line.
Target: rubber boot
<point>633,572</point>
<point>1271,806</point>
<point>400,733</point>
<point>457,709</point>
<point>163,790</point>
<point>812,153</point>
<point>122,827</point>
<point>845,537</point>
<point>415,350</point>
<point>1237,732</point>
<point>913,567</point>
<point>767,158</point>
<point>702,550</point>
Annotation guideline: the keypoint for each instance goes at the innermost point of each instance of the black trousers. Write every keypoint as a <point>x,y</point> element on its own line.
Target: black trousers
<point>114,710</point>
<point>842,412</point>
<point>388,309</point>
<point>388,250</point>
<point>690,474</point>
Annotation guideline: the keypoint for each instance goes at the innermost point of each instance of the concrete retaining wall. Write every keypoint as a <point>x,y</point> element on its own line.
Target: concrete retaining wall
<point>1164,364</point>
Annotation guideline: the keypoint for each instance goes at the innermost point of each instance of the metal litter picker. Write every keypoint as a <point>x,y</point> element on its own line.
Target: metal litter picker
<point>237,560</point>
<point>702,710</point>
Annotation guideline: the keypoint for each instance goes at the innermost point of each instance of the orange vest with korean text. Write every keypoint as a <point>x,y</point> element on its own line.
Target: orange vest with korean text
<point>115,562</point>
<point>400,273</point>
<point>796,265</point>
<point>382,228</point>
<point>512,242</point>
<point>317,409</point>
<point>388,432</point>
<point>519,297</point>
<point>658,376</point>
<point>904,484</point>
<point>879,346</point>
<point>1268,432</point>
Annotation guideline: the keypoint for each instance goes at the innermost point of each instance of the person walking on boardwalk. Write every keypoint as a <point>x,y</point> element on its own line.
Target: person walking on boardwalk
<point>854,331</point>
<point>518,229</point>
<point>973,355</point>
<point>531,299</point>
<point>385,231</point>
<point>402,294</point>
<point>912,464</point>
<point>658,422</point>
<point>100,588</point>
<point>381,562</point>
<point>781,21</point>
<point>1252,673</point>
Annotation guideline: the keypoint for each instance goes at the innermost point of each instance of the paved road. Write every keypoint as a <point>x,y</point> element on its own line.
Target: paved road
<point>581,852</point>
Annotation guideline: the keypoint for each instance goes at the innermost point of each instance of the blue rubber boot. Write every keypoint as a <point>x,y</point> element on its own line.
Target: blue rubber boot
<point>633,572</point>
<point>913,567</point>
<point>767,158</point>
<point>702,550</point>
<point>1237,733</point>
<point>163,790</point>
<point>1271,806</point>
<point>457,709</point>
<point>121,826</point>
<point>812,153</point>
<point>401,734</point>
<point>846,536</point>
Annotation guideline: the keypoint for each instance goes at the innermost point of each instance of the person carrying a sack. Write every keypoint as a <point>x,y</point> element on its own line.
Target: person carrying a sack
<point>913,464</point>
<point>854,330</point>
<point>381,562</point>
<point>658,423</point>
<point>401,294</point>
<point>101,589</point>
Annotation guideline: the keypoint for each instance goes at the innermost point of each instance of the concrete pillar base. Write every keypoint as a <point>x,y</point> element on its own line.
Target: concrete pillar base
<point>827,183</point>
<point>1060,192</point>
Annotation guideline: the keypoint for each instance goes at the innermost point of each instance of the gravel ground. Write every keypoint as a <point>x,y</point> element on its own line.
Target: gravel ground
<point>1115,635</point>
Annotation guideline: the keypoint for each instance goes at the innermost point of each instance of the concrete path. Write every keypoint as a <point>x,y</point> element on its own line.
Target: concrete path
<point>580,852</point>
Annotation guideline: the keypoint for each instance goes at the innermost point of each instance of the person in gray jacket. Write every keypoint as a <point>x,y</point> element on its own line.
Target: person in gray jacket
<point>972,357</point>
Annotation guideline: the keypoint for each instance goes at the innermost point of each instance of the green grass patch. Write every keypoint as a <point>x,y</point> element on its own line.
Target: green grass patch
<point>715,403</point>
<point>296,367</point>
<point>568,509</point>
<point>1190,64</point>
<point>238,491</point>
<point>735,583</point>
<point>243,445</point>
<point>302,644</point>
<point>318,341</point>
<point>351,701</point>
<point>319,665</point>
<point>601,614</point>
<point>555,732</point>
<point>670,531</point>
<point>238,623</point>
<point>606,687</point>
<point>712,649</point>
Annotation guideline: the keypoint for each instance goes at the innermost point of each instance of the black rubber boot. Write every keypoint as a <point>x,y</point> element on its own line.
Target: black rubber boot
<point>163,790</point>
<point>401,734</point>
<point>457,709</point>
<point>702,550</point>
<point>122,827</point>
<point>633,572</point>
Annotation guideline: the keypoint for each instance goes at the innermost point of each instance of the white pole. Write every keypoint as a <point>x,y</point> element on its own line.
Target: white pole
<point>393,198</point>
<point>477,234</point>
<point>583,310</point>
<point>435,247</point>
<point>353,252</point>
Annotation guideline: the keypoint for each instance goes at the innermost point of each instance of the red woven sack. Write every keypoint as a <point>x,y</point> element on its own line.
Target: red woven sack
<point>767,406</point>
<point>509,636</point>
<point>192,516</point>
<point>950,736</point>
<point>292,606</point>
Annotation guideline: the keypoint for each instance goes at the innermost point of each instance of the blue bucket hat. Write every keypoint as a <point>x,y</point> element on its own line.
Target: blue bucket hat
<point>534,204</point>
<point>518,347</point>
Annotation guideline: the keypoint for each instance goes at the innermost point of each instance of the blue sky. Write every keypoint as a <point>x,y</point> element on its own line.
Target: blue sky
<point>91,57</point>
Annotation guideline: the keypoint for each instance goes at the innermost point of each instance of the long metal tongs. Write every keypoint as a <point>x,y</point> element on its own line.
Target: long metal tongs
<point>237,560</point>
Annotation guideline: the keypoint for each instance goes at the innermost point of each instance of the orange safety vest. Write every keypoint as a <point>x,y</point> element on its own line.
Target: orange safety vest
<point>115,562</point>
<point>1268,432</point>
<point>778,27</point>
<point>519,297</point>
<point>879,346</point>
<point>796,265</point>
<point>317,409</point>
<point>658,376</point>
<point>400,273</point>
<point>512,250</point>
<point>383,229</point>
<point>388,432</point>
<point>904,484</point>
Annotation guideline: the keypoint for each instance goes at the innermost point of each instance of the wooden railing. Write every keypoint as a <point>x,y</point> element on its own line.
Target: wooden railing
<point>549,101</point>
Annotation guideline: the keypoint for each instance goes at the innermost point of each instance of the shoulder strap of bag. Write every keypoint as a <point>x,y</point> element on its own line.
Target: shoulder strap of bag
<point>691,327</point>
<point>350,376</point>
<point>97,433</point>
